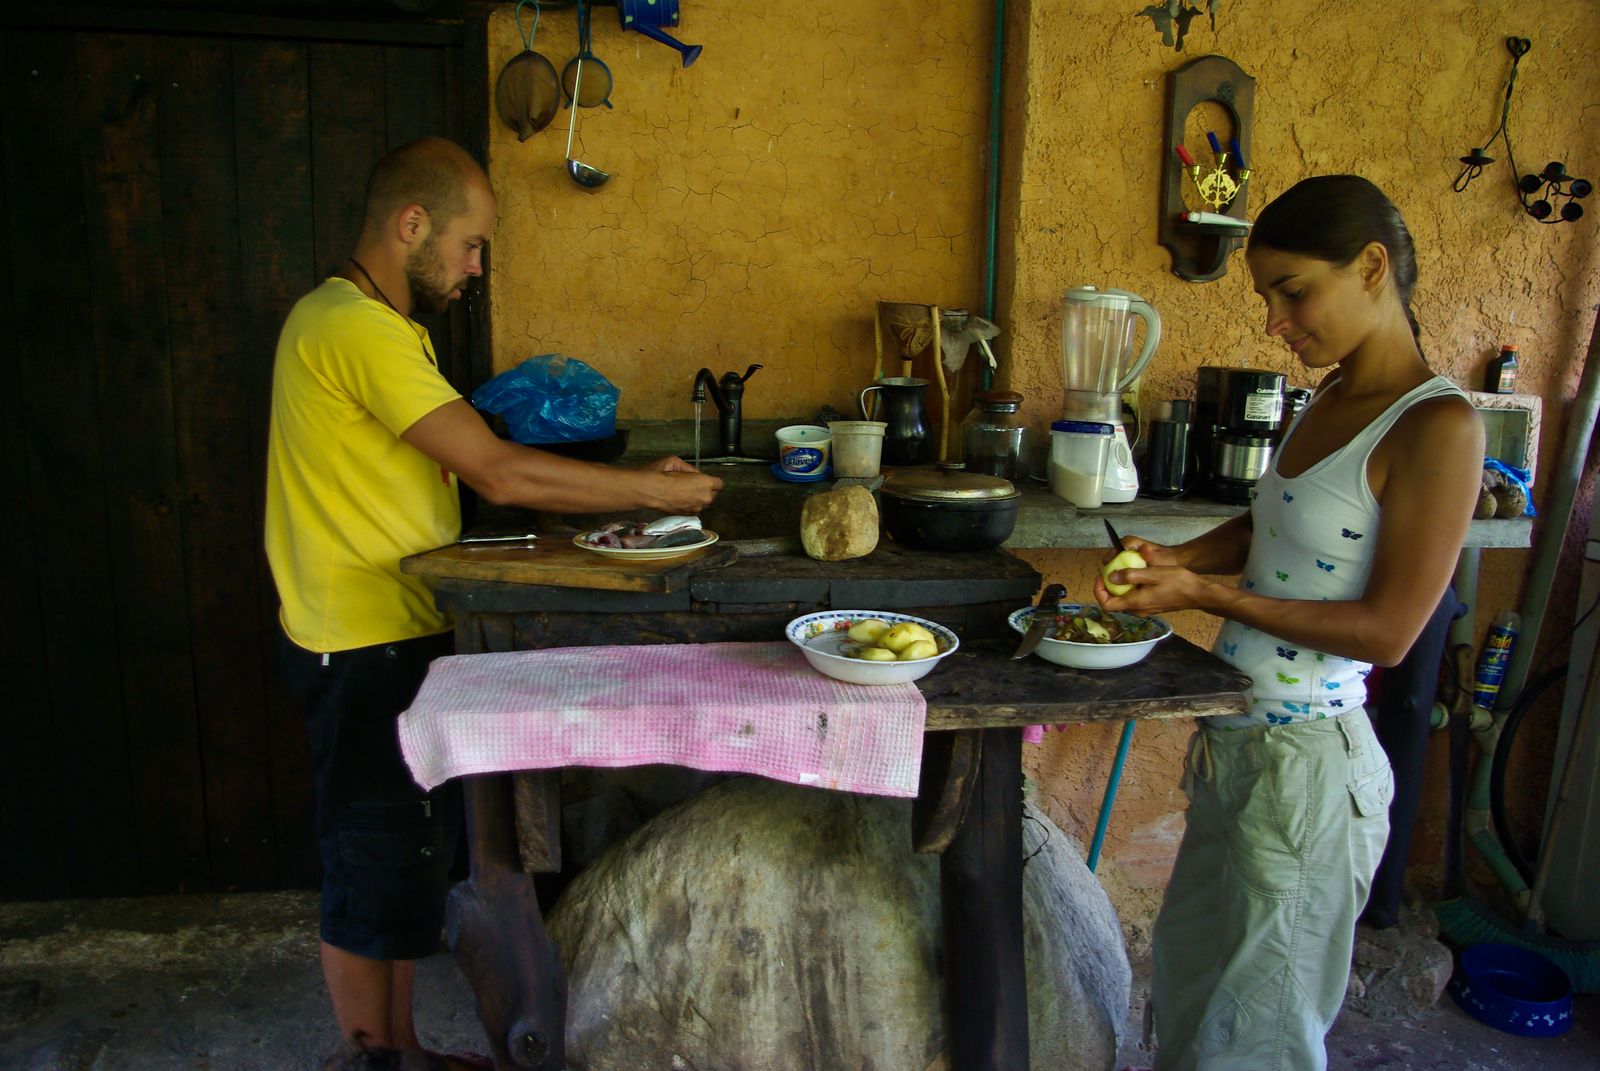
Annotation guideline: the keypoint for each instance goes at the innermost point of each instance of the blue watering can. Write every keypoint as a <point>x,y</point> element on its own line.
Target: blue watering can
<point>648,16</point>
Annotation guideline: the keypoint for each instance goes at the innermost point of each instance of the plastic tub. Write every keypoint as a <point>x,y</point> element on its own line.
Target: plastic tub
<point>803,449</point>
<point>857,446</point>
<point>1078,453</point>
<point>1513,989</point>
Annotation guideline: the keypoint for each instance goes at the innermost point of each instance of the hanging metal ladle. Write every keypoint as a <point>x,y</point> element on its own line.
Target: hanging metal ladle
<point>587,177</point>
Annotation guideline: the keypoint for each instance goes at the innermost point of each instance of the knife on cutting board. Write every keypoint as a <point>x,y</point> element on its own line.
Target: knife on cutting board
<point>1043,620</point>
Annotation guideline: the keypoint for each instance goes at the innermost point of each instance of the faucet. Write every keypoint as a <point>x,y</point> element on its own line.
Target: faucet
<point>728,396</point>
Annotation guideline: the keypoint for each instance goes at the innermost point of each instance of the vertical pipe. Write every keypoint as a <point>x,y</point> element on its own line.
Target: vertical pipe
<point>1111,794</point>
<point>1557,512</point>
<point>992,178</point>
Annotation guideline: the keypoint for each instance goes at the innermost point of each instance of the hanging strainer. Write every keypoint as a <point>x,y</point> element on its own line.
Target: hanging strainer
<point>598,88</point>
<point>527,94</point>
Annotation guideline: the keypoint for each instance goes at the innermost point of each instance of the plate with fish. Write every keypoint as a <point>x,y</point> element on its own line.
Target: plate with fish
<point>667,537</point>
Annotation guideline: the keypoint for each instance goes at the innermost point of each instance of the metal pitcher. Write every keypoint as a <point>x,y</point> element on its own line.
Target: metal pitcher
<point>906,440</point>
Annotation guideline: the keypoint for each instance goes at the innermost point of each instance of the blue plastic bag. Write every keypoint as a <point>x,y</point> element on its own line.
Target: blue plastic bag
<point>551,399</point>
<point>1516,476</point>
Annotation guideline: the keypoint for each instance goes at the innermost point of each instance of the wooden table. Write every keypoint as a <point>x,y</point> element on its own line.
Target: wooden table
<point>969,806</point>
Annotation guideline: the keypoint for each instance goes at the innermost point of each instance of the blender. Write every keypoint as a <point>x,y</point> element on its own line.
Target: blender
<point>1098,364</point>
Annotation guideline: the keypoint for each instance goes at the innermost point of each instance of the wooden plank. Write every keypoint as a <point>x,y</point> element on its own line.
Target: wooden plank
<point>980,898</point>
<point>205,311</point>
<point>981,686</point>
<point>32,826</point>
<point>413,94</point>
<point>414,107</point>
<point>564,564</point>
<point>88,810</point>
<point>272,118</point>
<point>121,161</point>
<point>132,17</point>
<point>347,139</point>
<point>469,109</point>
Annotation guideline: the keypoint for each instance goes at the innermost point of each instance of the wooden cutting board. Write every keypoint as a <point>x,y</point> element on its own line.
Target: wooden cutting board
<point>560,563</point>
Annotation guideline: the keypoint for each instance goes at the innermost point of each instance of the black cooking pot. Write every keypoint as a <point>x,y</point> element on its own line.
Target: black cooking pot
<point>948,508</point>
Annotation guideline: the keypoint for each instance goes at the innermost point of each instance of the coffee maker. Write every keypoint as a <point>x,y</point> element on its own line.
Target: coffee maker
<point>1238,414</point>
<point>1098,363</point>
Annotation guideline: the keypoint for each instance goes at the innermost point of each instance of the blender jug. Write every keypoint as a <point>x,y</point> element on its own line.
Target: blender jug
<point>1098,363</point>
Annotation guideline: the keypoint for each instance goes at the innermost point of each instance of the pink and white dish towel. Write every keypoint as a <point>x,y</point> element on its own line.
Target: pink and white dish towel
<point>755,708</point>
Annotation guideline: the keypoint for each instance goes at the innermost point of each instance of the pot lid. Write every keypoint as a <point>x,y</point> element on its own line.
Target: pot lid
<point>950,482</point>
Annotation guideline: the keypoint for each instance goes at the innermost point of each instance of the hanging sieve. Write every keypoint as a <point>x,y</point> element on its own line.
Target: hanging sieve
<point>600,82</point>
<point>527,94</point>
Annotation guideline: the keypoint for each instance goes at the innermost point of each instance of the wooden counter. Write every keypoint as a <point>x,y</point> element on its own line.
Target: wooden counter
<point>969,804</point>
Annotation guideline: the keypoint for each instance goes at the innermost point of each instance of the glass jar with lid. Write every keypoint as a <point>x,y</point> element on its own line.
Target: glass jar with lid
<point>993,438</point>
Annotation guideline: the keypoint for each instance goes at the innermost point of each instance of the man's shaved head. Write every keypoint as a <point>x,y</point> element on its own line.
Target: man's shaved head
<point>431,172</point>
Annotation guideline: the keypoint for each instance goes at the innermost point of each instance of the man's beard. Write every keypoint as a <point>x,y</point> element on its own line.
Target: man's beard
<point>424,270</point>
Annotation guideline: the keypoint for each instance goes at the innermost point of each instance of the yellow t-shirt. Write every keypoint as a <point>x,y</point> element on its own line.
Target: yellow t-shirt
<point>347,498</point>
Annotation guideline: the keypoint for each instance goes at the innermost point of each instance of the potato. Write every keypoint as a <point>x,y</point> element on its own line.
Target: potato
<point>873,654</point>
<point>904,635</point>
<point>869,630</point>
<point>919,649</point>
<point>1128,559</point>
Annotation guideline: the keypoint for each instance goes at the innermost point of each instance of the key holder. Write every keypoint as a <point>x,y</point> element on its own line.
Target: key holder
<point>1200,247</point>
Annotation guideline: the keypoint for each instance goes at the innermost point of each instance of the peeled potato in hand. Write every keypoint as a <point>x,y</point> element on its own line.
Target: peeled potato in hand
<point>918,649</point>
<point>1128,559</point>
<point>869,630</point>
<point>904,635</point>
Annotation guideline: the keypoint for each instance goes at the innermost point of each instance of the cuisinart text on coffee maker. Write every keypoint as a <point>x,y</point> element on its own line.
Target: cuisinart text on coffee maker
<point>1238,412</point>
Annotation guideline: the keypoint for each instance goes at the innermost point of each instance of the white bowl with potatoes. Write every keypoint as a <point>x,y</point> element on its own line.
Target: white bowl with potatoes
<point>871,646</point>
<point>1087,637</point>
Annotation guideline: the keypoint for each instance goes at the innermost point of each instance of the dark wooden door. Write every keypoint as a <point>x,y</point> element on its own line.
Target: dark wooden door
<point>171,188</point>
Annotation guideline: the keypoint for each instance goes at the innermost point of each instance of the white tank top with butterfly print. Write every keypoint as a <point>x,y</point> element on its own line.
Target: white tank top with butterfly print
<point>1313,539</point>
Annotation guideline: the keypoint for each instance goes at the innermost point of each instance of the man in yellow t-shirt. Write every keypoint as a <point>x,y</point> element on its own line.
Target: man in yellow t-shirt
<point>367,442</point>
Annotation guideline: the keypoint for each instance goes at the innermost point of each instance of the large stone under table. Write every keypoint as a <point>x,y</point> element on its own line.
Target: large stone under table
<point>969,806</point>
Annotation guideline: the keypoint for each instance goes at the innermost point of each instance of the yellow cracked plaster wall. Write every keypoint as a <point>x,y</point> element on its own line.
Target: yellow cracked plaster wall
<point>817,160</point>
<point>811,162</point>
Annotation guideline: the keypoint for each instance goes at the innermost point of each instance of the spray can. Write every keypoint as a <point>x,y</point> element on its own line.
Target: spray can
<point>1494,657</point>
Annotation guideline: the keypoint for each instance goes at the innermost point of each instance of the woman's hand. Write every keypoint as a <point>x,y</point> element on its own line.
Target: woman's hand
<point>1157,589</point>
<point>1164,585</point>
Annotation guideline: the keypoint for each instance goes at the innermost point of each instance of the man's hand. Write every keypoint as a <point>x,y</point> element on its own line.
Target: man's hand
<point>670,464</point>
<point>508,473</point>
<point>684,488</point>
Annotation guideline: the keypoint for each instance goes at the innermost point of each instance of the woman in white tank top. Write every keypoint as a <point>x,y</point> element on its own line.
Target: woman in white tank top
<point>1343,556</point>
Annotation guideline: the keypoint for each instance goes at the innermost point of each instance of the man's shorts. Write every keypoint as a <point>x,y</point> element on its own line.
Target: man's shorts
<point>386,845</point>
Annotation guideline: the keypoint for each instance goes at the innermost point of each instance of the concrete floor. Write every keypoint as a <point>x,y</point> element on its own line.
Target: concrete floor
<point>232,982</point>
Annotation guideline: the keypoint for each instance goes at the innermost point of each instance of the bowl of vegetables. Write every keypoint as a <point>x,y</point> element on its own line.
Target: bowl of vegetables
<point>1087,637</point>
<point>871,646</point>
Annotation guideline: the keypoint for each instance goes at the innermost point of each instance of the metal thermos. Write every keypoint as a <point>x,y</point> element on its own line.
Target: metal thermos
<point>1169,462</point>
